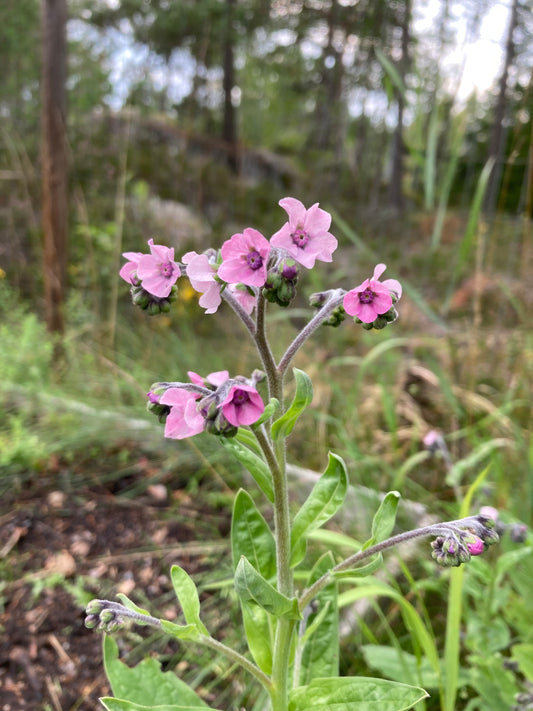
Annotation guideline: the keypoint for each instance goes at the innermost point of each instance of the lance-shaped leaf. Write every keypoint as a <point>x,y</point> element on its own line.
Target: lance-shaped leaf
<point>323,502</point>
<point>303,396</point>
<point>320,656</point>
<point>255,465</point>
<point>112,704</point>
<point>355,694</point>
<point>251,536</point>
<point>384,519</point>
<point>258,629</point>
<point>268,412</point>
<point>187,594</point>
<point>251,587</point>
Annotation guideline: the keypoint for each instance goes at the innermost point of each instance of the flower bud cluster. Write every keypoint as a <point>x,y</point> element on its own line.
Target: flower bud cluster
<point>457,545</point>
<point>152,304</point>
<point>281,280</point>
<point>336,316</point>
<point>101,616</point>
<point>216,404</point>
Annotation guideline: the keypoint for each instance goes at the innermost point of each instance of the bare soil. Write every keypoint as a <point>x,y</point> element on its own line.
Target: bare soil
<point>60,547</point>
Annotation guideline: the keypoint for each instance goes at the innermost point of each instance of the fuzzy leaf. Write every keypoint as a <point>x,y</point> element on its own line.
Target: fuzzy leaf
<point>258,635</point>
<point>146,683</point>
<point>355,694</point>
<point>323,502</point>
<point>188,598</point>
<point>384,519</point>
<point>255,465</point>
<point>111,704</point>
<point>320,657</point>
<point>251,536</point>
<point>251,587</point>
<point>303,396</point>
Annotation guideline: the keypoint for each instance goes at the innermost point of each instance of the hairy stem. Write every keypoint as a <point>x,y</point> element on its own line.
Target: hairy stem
<point>335,299</point>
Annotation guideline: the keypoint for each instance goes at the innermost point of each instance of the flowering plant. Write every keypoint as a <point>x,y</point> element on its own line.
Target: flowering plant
<point>291,631</point>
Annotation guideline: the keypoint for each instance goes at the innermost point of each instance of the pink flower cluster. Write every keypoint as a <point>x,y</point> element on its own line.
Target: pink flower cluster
<point>225,403</point>
<point>242,265</point>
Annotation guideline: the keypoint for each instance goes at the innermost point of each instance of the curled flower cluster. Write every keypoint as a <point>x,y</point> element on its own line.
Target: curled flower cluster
<point>457,545</point>
<point>217,404</point>
<point>249,265</point>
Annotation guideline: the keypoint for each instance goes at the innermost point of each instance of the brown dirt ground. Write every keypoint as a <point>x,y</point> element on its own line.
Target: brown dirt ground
<point>48,538</point>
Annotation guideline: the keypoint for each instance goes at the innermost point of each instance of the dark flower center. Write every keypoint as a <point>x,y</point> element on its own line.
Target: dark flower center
<point>166,270</point>
<point>240,397</point>
<point>300,237</point>
<point>254,259</point>
<point>366,296</point>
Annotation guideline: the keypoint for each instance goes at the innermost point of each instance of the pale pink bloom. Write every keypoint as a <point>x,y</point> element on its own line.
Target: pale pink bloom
<point>244,258</point>
<point>202,275</point>
<point>157,271</point>
<point>216,379</point>
<point>246,300</point>
<point>372,298</point>
<point>128,270</point>
<point>305,236</point>
<point>183,420</point>
<point>489,511</point>
<point>242,405</point>
<point>476,547</point>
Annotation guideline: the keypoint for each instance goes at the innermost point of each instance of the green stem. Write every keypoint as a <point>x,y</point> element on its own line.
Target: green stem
<point>275,381</point>
<point>279,693</point>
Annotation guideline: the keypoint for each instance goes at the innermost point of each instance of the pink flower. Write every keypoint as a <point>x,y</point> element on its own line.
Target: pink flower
<point>243,296</point>
<point>216,379</point>
<point>244,258</point>
<point>305,236</point>
<point>372,298</point>
<point>242,405</point>
<point>128,270</point>
<point>202,275</point>
<point>476,547</point>
<point>158,272</point>
<point>489,511</point>
<point>183,420</point>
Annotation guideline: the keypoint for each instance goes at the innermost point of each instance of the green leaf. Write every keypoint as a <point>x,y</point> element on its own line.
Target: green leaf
<point>251,536</point>
<point>187,595</point>
<point>303,396</point>
<point>400,666</point>
<point>251,587</point>
<point>111,704</point>
<point>523,655</point>
<point>255,465</point>
<point>363,571</point>
<point>355,694</point>
<point>146,683</point>
<point>323,502</point>
<point>131,605</point>
<point>268,412</point>
<point>320,656</point>
<point>258,634</point>
<point>384,519</point>
<point>180,631</point>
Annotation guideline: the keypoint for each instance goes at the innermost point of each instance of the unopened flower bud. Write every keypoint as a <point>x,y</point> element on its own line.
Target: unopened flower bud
<point>91,621</point>
<point>518,532</point>
<point>476,547</point>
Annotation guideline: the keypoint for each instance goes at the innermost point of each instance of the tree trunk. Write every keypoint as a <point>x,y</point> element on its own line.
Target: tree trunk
<point>54,161</point>
<point>498,132</point>
<point>229,130</point>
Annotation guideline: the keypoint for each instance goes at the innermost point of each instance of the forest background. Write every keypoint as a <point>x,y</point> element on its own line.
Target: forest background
<point>188,121</point>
